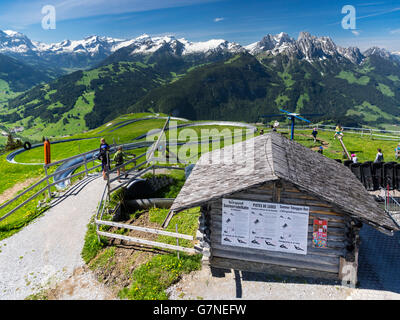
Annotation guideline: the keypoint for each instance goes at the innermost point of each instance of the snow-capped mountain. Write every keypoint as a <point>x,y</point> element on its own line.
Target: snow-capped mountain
<point>147,45</point>
<point>80,54</point>
<point>92,50</point>
<point>383,53</point>
<point>90,46</point>
<point>15,42</point>
<point>306,47</point>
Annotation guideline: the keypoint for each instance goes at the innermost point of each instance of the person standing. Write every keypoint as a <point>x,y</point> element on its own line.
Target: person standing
<point>119,159</point>
<point>104,156</point>
<point>314,134</point>
<point>379,156</point>
<point>354,158</point>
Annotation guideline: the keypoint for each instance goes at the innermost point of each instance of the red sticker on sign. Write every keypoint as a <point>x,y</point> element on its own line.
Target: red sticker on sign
<point>320,233</point>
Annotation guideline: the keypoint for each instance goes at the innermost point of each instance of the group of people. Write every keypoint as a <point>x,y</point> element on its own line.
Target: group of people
<point>119,158</point>
<point>379,155</point>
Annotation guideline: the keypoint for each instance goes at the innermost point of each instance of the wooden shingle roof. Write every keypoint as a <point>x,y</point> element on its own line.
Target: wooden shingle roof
<point>272,157</point>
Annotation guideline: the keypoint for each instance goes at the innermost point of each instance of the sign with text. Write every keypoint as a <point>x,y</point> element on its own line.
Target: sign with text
<point>265,226</point>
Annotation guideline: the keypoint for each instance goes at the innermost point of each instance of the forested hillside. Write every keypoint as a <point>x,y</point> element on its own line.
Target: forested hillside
<point>244,88</point>
<point>16,76</point>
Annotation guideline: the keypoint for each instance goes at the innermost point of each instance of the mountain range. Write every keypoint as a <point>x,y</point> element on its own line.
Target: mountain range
<point>214,79</point>
<point>80,54</point>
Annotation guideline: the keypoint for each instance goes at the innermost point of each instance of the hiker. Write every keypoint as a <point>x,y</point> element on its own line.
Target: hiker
<point>261,132</point>
<point>314,134</point>
<point>119,161</point>
<point>321,150</point>
<point>338,131</point>
<point>354,158</point>
<point>397,151</point>
<point>379,156</point>
<point>104,156</point>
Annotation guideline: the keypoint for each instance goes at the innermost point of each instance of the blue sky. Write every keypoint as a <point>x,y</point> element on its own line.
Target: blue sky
<point>242,21</point>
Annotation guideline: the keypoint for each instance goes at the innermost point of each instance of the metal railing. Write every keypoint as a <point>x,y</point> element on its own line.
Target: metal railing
<point>47,178</point>
<point>106,198</point>
<point>105,201</point>
<point>392,207</point>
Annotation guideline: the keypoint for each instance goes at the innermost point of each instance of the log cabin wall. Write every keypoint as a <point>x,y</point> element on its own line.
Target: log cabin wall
<point>342,243</point>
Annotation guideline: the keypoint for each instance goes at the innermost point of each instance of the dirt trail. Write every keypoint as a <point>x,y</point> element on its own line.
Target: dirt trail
<point>49,250</point>
<point>13,191</point>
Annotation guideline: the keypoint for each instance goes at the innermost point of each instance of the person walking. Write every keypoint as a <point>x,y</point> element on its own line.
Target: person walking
<point>119,159</point>
<point>379,156</point>
<point>314,134</point>
<point>104,156</point>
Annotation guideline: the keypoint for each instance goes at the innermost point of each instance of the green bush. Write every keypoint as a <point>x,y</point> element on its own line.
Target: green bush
<point>150,280</point>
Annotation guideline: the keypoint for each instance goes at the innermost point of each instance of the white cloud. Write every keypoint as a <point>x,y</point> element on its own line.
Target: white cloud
<point>379,13</point>
<point>395,31</point>
<point>355,32</point>
<point>219,19</point>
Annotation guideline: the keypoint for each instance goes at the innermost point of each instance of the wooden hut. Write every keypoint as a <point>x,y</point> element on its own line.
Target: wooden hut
<point>271,205</point>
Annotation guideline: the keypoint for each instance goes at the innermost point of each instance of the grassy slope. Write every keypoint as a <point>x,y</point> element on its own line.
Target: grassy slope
<point>5,91</point>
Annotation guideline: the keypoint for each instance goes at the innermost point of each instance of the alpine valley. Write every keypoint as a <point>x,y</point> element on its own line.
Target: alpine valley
<point>73,86</point>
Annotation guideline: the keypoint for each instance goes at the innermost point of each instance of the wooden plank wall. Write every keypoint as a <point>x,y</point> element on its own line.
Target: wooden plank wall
<point>319,261</point>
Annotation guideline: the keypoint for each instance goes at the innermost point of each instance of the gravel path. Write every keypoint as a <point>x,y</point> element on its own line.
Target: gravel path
<point>48,250</point>
<point>236,285</point>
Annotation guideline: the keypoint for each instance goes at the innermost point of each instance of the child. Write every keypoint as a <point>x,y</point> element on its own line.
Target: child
<point>338,131</point>
<point>397,151</point>
<point>379,156</point>
<point>314,134</point>
<point>119,161</point>
<point>354,158</point>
